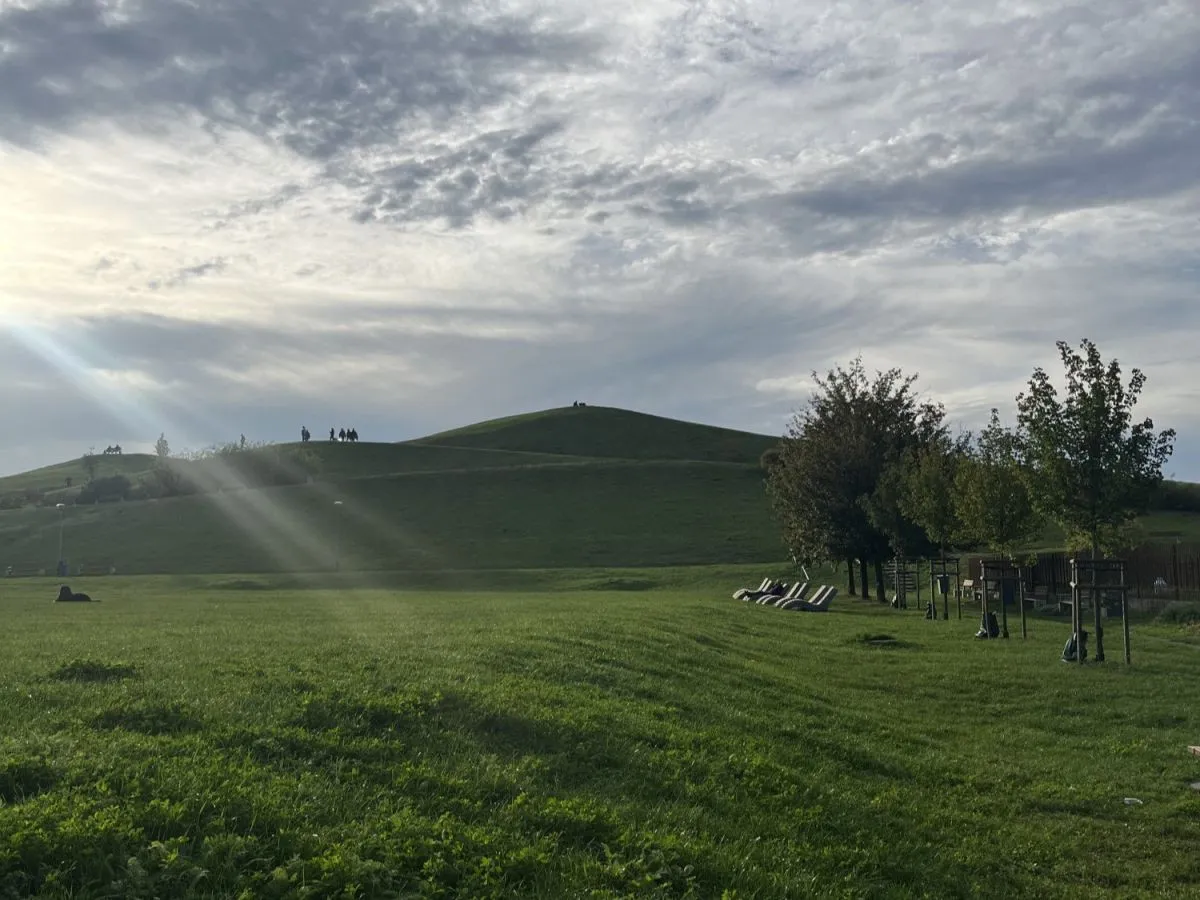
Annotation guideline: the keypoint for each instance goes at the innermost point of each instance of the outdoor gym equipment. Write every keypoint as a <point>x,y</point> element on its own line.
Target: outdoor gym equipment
<point>940,572</point>
<point>1005,580</point>
<point>904,579</point>
<point>1103,582</point>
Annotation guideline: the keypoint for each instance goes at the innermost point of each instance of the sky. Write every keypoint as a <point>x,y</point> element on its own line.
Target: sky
<point>240,217</point>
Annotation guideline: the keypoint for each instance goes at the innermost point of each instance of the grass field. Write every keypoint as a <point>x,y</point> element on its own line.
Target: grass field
<point>226,737</point>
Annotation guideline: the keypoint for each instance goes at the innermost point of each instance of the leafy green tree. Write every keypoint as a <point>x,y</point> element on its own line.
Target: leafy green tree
<point>169,479</point>
<point>825,486</point>
<point>992,498</point>
<point>929,490</point>
<point>888,510</point>
<point>1092,468</point>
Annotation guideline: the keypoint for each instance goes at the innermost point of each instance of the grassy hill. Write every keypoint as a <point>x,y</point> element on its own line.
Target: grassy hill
<point>562,489</point>
<point>604,431</point>
<point>54,478</point>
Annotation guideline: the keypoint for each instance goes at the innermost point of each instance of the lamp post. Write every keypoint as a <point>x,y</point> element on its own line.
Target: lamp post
<point>62,519</point>
<point>337,536</point>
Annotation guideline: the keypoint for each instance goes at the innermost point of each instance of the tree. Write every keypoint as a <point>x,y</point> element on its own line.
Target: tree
<point>994,501</point>
<point>90,462</point>
<point>992,495</point>
<point>888,510</point>
<point>833,458</point>
<point>170,481</point>
<point>929,497</point>
<point>1091,468</point>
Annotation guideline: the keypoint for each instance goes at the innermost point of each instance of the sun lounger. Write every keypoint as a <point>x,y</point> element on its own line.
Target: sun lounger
<point>792,592</point>
<point>770,597</point>
<point>740,593</point>
<point>796,593</point>
<point>773,589</point>
<point>819,603</point>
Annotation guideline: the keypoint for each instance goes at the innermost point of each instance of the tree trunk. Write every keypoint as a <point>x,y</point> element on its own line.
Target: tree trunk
<point>880,589</point>
<point>850,578</point>
<point>862,571</point>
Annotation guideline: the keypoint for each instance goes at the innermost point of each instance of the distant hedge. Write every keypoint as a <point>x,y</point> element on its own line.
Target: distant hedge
<point>1178,496</point>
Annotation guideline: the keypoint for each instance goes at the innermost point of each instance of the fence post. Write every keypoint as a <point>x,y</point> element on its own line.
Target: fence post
<point>1175,567</point>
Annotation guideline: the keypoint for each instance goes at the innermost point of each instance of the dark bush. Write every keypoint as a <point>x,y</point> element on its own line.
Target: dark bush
<point>1177,496</point>
<point>104,490</point>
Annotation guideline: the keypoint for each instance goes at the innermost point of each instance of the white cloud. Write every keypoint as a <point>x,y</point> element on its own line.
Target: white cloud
<point>229,218</point>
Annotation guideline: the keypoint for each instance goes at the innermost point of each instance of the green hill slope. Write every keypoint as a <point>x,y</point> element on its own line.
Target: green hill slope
<point>559,489</point>
<point>604,431</point>
<point>610,513</point>
<point>51,478</point>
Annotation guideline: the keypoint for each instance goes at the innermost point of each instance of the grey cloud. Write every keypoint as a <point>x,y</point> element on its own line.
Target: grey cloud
<point>190,273</point>
<point>320,75</point>
<point>333,81</point>
<point>496,173</point>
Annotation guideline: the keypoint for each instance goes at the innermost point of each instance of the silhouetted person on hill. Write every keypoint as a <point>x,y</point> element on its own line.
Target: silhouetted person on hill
<point>332,436</point>
<point>341,434</point>
<point>354,435</point>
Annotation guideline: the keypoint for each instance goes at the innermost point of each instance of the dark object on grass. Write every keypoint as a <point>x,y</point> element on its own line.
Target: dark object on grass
<point>989,627</point>
<point>1072,646</point>
<point>66,595</point>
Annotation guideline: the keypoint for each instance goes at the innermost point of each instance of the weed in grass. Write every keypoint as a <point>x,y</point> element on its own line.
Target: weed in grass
<point>21,779</point>
<point>883,642</point>
<point>90,670</point>
<point>151,719</point>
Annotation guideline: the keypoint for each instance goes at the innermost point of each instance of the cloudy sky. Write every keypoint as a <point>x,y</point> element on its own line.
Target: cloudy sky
<point>238,216</point>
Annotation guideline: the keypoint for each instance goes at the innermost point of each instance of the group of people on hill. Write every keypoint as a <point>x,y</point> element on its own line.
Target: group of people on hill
<point>342,434</point>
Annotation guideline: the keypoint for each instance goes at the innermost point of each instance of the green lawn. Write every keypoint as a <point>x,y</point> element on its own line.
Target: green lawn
<point>224,736</point>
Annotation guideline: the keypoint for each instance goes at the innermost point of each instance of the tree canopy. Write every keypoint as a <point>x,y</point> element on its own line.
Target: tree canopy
<point>834,485</point>
<point>991,492</point>
<point>1091,467</point>
<point>867,470</point>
